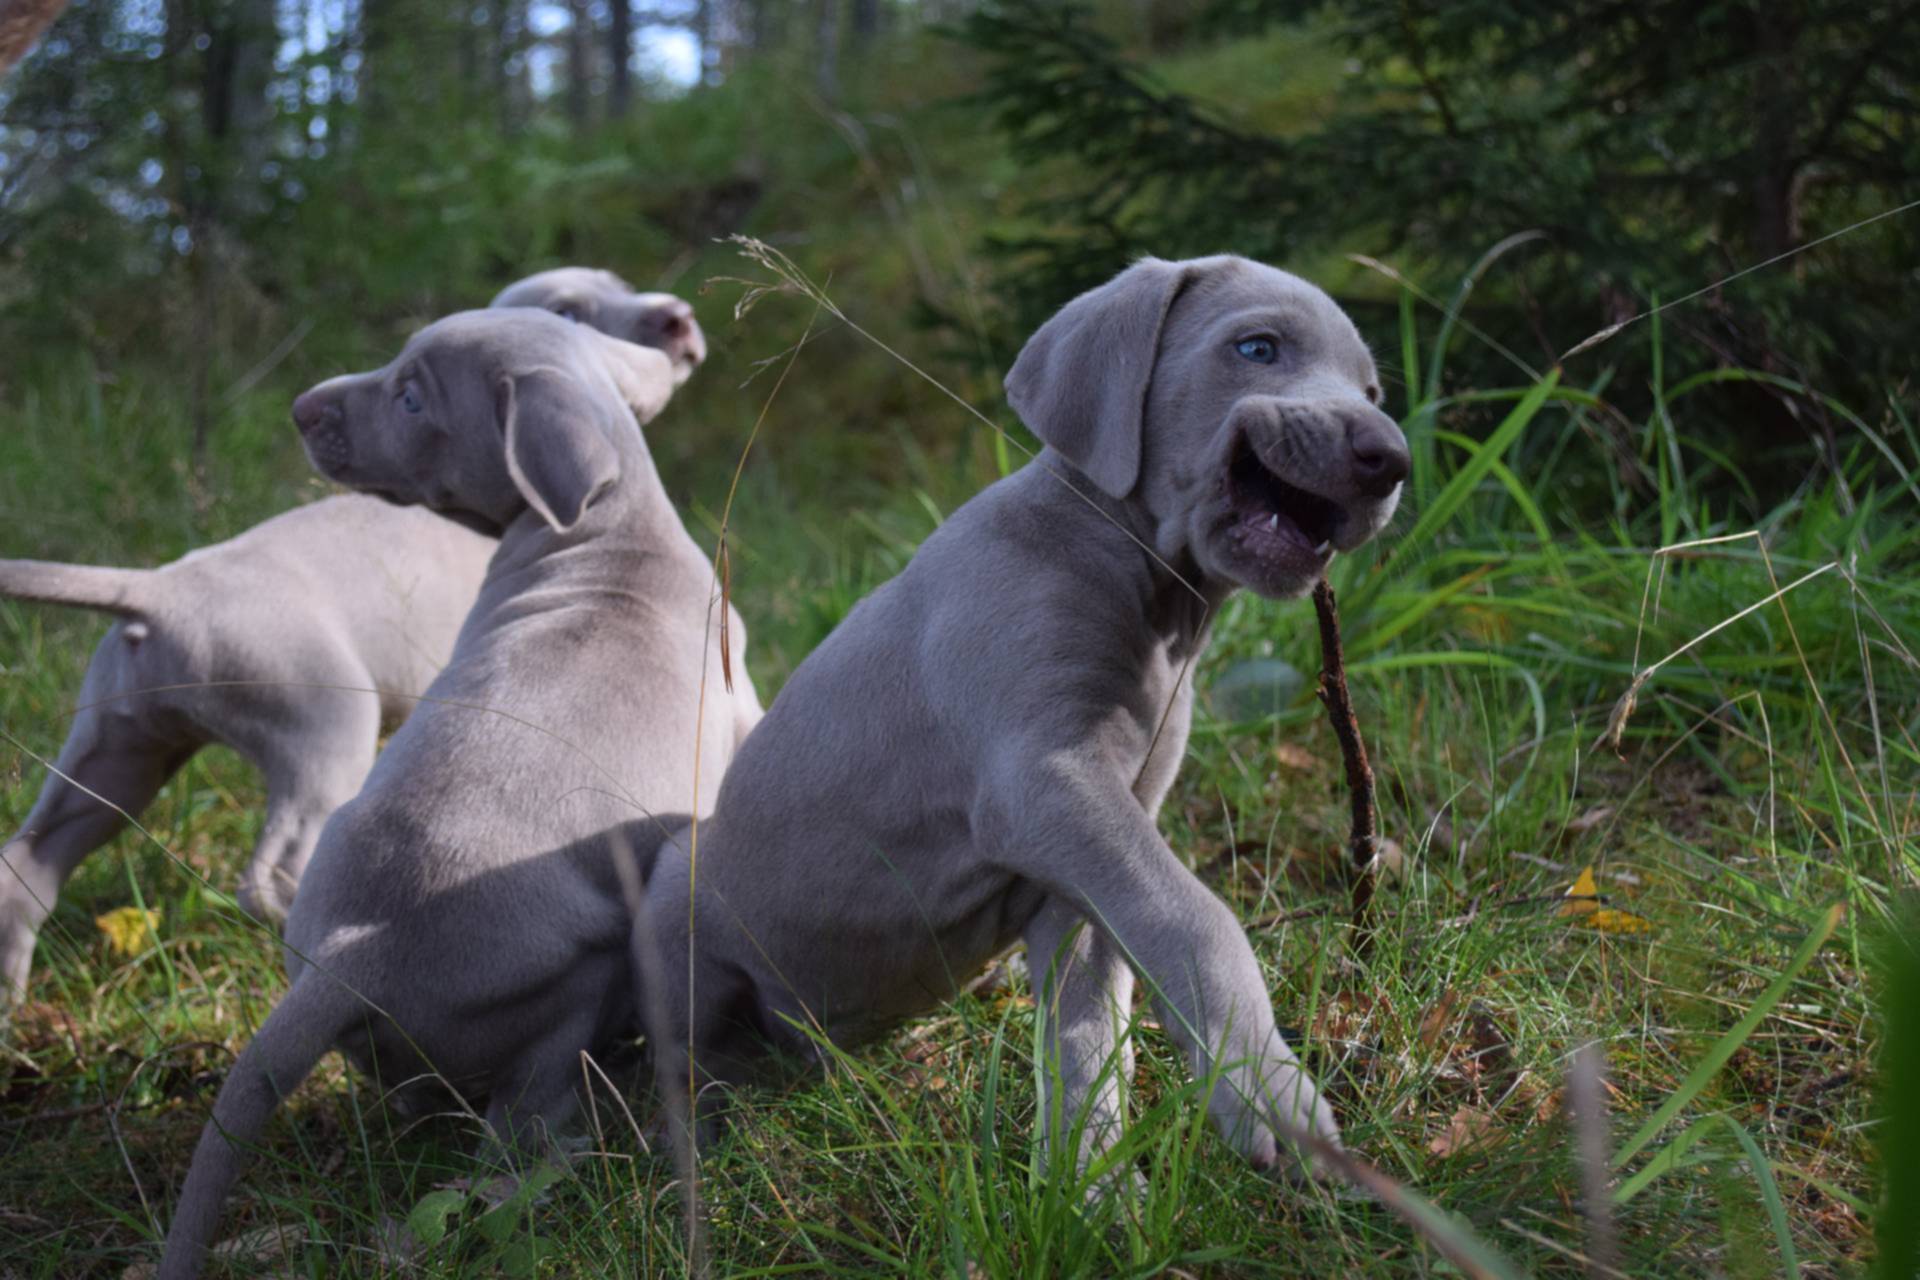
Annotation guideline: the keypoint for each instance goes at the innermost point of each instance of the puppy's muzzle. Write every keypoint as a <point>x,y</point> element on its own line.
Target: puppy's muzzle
<point>672,328</point>
<point>319,418</point>
<point>1378,452</point>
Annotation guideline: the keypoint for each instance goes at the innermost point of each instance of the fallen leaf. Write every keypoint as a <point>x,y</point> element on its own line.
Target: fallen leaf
<point>1589,820</point>
<point>1583,895</point>
<point>1434,1023</point>
<point>1583,901</point>
<point>263,1244</point>
<point>129,929</point>
<point>1295,756</point>
<point>1608,920</point>
<point>1466,1129</point>
<point>1346,1014</point>
<point>1389,859</point>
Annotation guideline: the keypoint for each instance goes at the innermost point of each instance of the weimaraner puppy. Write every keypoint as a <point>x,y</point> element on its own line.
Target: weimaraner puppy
<point>977,754</point>
<point>608,303</point>
<point>269,644</point>
<point>459,916</point>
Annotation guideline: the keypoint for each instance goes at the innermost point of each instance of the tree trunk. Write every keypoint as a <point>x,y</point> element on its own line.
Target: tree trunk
<point>619,56</point>
<point>22,23</point>
<point>1776,221</point>
<point>866,21</point>
<point>826,66</point>
<point>579,75</point>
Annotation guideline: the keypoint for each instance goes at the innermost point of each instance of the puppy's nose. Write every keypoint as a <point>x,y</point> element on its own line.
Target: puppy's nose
<point>1380,457</point>
<point>680,335</point>
<point>675,318</point>
<point>313,408</point>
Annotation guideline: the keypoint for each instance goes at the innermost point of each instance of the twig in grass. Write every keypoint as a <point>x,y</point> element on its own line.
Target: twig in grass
<point>1365,841</point>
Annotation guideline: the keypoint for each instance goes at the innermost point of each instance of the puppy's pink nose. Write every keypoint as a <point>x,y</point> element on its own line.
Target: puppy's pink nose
<point>680,335</point>
<point>1380,457</point>
<point>676,318</point>
<point>313,408</point>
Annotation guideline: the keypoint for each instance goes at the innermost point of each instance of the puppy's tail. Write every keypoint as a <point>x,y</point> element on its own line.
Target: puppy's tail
<point>313,1014</point>
<point>86,586</point>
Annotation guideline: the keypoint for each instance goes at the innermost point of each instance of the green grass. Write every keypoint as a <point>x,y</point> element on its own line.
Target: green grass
<point>1765,776</point>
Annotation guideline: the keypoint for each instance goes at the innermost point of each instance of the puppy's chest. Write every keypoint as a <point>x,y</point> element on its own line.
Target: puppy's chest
<point>1152,727</point>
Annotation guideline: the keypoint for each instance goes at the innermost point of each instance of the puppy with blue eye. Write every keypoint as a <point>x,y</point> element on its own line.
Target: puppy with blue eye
<point>462,915</point>
<point>977,755</point>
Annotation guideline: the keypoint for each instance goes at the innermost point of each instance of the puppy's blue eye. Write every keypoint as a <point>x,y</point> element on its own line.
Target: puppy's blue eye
<point>410,401</point>
<point>567,313</point>
<point>1258,350</point>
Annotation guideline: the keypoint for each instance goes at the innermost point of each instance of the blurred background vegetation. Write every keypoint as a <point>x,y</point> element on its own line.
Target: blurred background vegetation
<point>204,198</point>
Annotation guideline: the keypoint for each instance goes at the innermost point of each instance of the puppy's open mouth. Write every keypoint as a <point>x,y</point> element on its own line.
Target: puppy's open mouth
<point>1274,518</point>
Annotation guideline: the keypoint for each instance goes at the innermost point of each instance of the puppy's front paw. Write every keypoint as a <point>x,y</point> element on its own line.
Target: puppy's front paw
<point>1274,1119</point>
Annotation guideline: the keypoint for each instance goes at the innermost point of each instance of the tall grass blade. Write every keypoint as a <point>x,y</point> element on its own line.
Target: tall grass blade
<point>1461,487</point>
<point>1716,1057</point>
<point>1769,1196</point>
<point>1897,1228</point>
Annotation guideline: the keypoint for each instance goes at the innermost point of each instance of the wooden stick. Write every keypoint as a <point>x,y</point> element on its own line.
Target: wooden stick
<point>1332,692</point>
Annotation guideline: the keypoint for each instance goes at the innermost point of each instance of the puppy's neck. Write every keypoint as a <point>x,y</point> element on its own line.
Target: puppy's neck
<point>1180,600</point>
<point>632,520</point>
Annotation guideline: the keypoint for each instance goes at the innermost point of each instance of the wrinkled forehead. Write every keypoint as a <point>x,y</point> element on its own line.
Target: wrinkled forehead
<point>498,340</point>
<point>1236,297</point>
<point>563,282</point>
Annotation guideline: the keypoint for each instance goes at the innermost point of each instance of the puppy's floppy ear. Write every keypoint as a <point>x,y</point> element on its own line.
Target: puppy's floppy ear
<point>556,443</point>
<point>1080,383</point>
<point>643,374</point>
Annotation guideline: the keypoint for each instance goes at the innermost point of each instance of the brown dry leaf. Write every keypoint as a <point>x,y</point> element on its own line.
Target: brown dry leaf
<point>1434,1023</point>
<point>1589,820</point>
<point>1295,756</point>
<point>1468,1128</point>
<point>263,1244</point>
<point>1346,1014</point>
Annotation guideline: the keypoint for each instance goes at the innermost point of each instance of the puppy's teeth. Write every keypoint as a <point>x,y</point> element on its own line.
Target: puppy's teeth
<point>1273,523</point>
<point>1324,547</point>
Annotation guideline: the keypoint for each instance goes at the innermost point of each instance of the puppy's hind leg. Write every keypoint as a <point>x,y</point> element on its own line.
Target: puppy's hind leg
<point>314,756</point>
<point>112,765</point>
<point>1084,990</point>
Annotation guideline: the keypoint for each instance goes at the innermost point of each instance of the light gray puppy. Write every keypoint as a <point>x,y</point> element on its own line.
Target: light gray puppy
<point>457,916</point>
<point>267,643</point>
<point>977,754</point>
<point>608,303</point>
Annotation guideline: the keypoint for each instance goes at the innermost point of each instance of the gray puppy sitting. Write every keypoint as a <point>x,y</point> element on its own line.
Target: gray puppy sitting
<point>458,917</point>
<point>977,755</point>
<point>261,645</point>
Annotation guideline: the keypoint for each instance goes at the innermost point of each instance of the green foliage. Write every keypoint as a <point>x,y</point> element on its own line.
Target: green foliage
<point>1656,148</point>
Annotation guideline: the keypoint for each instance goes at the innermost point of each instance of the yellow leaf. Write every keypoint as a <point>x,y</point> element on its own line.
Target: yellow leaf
<point>1583,900</point>
<point>129,929</point>
<point>1608,920</point>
